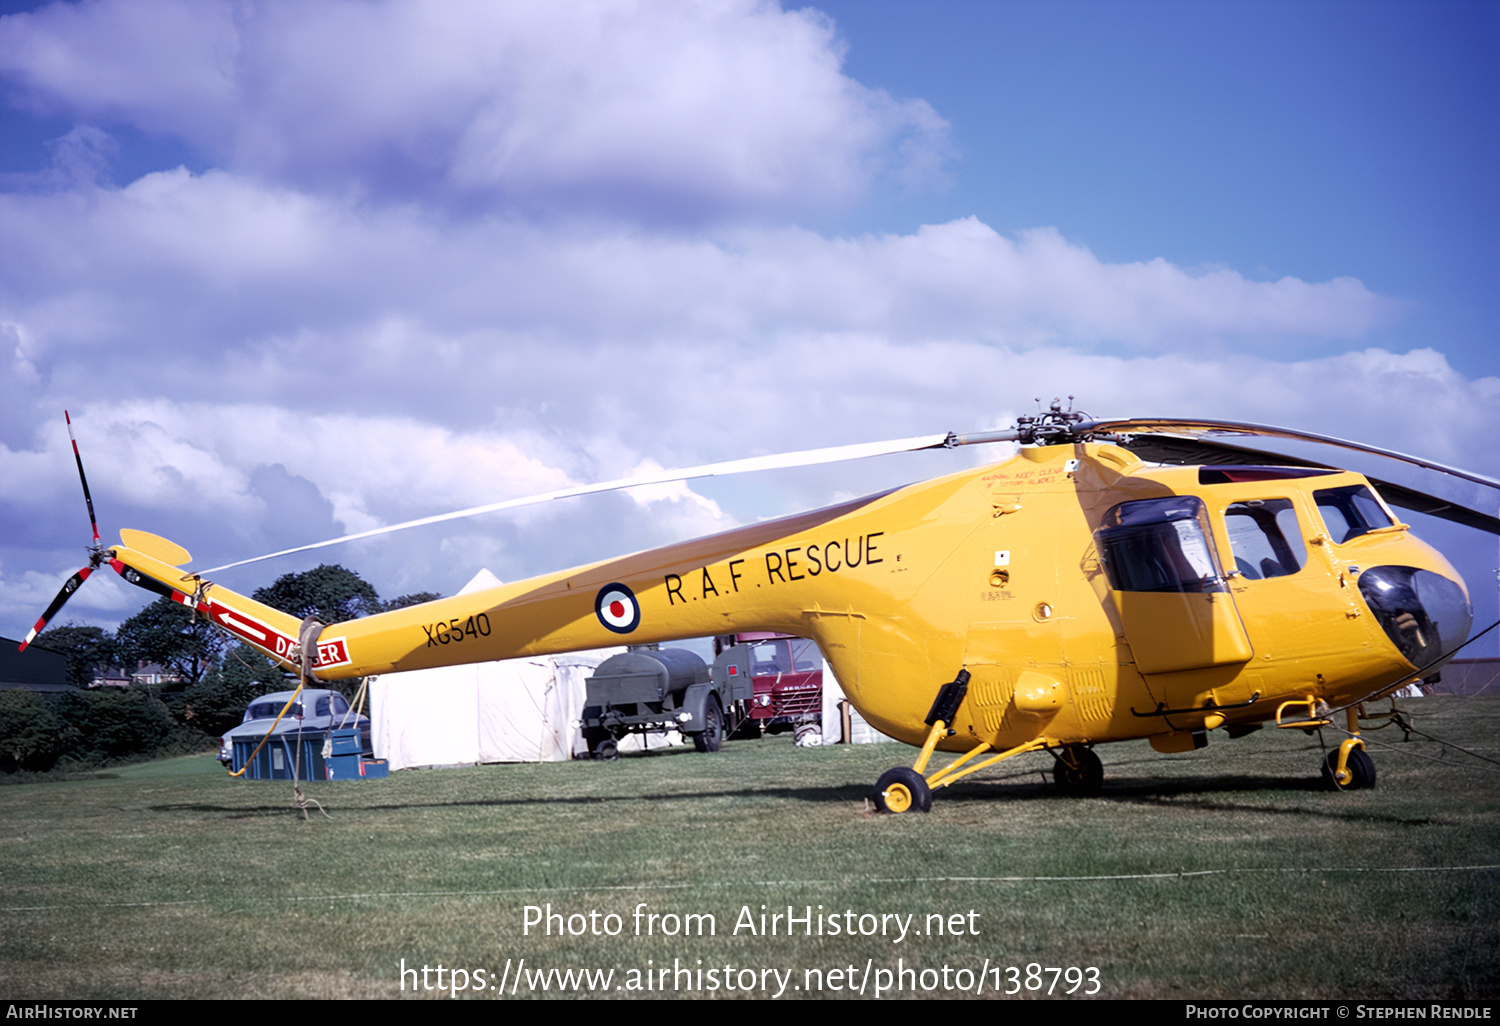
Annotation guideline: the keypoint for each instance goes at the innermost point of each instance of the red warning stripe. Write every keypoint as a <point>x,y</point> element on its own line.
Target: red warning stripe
<point>247,628</point>
<point>331,652</point>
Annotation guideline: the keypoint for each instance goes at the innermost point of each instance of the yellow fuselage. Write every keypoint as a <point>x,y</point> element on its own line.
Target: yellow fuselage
<point>994,570</point>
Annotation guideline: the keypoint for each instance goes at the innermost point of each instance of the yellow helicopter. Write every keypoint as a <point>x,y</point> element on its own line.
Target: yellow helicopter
<point>1115,579</point>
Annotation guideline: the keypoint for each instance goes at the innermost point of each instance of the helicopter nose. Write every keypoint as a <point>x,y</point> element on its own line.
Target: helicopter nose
<point>1425,614</point>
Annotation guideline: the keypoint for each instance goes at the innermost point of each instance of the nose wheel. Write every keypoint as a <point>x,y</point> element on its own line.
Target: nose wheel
<point>1359,770</point>
<point>1349,767</point>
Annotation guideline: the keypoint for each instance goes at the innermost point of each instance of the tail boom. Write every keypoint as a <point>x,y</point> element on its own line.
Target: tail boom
<point>740,580</point>
<point>270,630</point>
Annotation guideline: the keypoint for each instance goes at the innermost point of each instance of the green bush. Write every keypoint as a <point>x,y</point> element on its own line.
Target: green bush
<point>32,735</point>
<point>115,722</point>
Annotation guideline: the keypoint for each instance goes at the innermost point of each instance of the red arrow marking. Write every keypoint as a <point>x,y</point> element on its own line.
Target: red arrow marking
<point>240,627</point>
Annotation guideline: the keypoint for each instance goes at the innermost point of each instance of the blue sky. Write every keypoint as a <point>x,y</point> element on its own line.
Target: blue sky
<point>300,269</point>
<point>1305,139</point>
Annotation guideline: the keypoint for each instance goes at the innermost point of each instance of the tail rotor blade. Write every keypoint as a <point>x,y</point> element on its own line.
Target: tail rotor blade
<point>87,498</point>
<point>68,589</point>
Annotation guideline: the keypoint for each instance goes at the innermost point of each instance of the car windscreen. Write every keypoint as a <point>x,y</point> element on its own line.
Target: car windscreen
<point>270,710</point>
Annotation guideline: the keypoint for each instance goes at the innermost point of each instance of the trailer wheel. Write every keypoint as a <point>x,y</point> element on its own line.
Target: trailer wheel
<point>711,737</point>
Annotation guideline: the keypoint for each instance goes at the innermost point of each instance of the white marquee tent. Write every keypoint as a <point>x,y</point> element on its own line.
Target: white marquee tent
<point>516,710</point>
<point>860,732</point>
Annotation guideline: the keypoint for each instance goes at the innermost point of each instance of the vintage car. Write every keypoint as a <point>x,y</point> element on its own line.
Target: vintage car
<point>315,712</point>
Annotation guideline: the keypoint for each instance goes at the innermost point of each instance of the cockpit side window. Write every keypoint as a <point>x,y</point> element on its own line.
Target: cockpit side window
<point>1350,511</point>
<point>1265,539</point>
<point>1159,545</point>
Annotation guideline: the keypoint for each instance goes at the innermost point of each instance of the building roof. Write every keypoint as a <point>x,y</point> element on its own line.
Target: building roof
<point>37,668</point>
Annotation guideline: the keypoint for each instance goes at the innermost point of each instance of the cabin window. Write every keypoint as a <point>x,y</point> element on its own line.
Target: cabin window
<point>1159,545</point>
<point>1350,511</point>
<point>1425,615</point>
<point>1265,539</point>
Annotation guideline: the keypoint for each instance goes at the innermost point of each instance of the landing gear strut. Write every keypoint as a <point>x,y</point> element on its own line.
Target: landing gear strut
<point>1349,767</point>
<point>1078,769</point>
<point>901,789</point>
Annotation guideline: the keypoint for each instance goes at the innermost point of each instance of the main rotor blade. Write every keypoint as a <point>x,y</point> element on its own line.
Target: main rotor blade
<point>1443,509</point>
<point>1162,448</point>
<point>87,498</point>
<point>1165,448</point>
<point>805,458</point>
<point>1146,425</point>
<point>68,589</point>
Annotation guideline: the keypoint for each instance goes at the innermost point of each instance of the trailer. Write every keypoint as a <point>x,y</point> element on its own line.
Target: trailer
<point>652,689</point>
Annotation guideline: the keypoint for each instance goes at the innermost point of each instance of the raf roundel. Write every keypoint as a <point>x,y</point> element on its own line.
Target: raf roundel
<point>617,608</point>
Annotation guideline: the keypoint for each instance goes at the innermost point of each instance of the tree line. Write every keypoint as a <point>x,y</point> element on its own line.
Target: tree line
<point>208,678</point>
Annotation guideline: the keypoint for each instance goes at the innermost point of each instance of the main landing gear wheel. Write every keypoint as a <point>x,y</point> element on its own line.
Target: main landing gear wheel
<point>1361,770</point>
<point>711,737</point>
<point>902,789</point>
<point>1078,771</point>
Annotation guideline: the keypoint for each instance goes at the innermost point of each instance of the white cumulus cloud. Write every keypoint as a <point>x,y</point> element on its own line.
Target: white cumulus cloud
<point>670,110</point>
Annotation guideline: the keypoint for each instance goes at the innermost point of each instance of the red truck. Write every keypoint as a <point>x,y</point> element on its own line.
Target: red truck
<point>787,674</point>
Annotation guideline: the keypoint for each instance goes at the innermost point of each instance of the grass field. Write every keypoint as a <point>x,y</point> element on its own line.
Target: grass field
<point>1223,873</point>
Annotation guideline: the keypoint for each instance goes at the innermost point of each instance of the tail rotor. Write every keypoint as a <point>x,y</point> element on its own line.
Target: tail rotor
<point>96,550</point>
